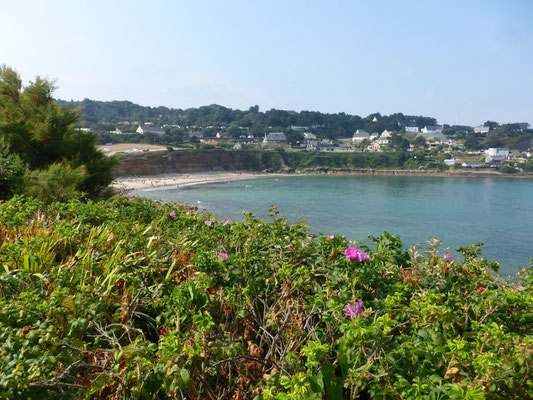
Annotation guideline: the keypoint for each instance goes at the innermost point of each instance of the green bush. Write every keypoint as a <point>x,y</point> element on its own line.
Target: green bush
<point>58,182</point>
<point>12,171</point>
<point>137,299</point>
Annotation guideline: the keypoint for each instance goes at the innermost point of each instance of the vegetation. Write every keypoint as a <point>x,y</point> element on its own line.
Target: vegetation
<point>129,299</point>
<point>104,116</point>
<point>39,139</point>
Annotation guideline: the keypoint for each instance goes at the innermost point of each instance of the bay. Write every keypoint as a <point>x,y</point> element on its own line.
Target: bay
<point>458,211</point>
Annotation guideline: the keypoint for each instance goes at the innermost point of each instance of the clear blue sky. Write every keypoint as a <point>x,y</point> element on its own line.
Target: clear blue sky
<point>454,60</point>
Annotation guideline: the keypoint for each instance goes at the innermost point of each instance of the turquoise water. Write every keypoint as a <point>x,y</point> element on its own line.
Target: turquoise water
<point>458,211</point>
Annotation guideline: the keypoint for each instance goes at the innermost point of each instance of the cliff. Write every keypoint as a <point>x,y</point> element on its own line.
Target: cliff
<point>188,161</point>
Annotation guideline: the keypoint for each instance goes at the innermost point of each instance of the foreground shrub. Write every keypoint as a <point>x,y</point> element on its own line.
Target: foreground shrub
<point>136,299</point>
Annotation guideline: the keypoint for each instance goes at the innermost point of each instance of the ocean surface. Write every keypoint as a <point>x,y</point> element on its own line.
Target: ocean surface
<point>458,211</point>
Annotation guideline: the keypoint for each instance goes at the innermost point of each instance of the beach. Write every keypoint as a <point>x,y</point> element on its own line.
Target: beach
<point>127,183</point>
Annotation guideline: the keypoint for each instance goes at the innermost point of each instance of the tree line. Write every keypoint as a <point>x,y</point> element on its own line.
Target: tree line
<point>107,114</point>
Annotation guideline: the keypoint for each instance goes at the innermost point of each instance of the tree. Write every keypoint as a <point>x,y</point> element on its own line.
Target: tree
<point>41,133</point>
<point>419,142</point>
<point>294,138</point>
<point>12,171</point>
<point>472,142</point>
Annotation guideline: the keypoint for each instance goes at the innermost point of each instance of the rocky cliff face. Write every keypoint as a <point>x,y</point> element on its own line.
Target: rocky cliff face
<point>182,162</point>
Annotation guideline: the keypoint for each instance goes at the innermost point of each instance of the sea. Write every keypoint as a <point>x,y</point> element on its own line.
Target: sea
<point>497,212</point>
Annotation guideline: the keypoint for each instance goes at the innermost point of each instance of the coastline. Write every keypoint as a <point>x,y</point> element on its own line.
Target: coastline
<point>177,180</point>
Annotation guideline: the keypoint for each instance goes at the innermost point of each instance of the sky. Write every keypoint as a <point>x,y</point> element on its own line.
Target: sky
<point>459,61</point>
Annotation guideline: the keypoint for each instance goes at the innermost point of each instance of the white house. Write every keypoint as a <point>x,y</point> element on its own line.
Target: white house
<point>359,137</point>
<point>432,129</point>
<point>414,129</point>
<point>309,144</point>
<point>386,134</point>
<point>195,134</point>
<point>237,146</point>
<point>309,136</point>
<point>495,154</point>
<point>382,140</point>
<point>338,149</point>
<point>373,136</point>
<point>450,162</point>
<point>374,147</point>
<point>481,129</point>
<point>150,129</point>
<point>222,135</point>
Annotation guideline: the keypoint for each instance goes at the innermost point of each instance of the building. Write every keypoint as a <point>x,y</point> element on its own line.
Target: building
<point>150,129</point>
<point>195,134</point>
<point>299,128</point>
<point>481,129</point>
<point>116,131</point>
<point>274,138</point>
<point>414,129</point>
<point>338,149</point>
<point>222,135</point>
<point>359,137</point>
<point>386,134</point>
<point>431,129</point>
<point>495,154</point>
<point>309,144</point>
<point>309,136</point>
<point>450,162</point>
<point>374,147</point>
<point>373,136</point>
<point>382,141</point>
<point>237,146</point>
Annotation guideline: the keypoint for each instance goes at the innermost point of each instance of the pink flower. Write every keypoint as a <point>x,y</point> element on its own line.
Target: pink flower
<point>172,214</point>
<point>355,254</point>
<point>225,223</point>
<point>207,222</point>
<point>223,255</point>
<point>481,289</point>
<point>331,237</point>
<point>162,331</point>
<point>448,257</point>
<point>355,311</point>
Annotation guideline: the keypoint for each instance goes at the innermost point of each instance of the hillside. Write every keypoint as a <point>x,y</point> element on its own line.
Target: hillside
<point>107,114</point>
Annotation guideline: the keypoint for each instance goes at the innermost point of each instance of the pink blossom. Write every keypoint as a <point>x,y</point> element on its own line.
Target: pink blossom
<point>225,223</point>
<point>207,222</point>
<point>448,257</point>
<point>331,237</point>
<point>172,214</point>
<point>355,311</point>
<point>355,254</point>
<point>223,255</point>
<point>481,289</point>
<point>162,331</point>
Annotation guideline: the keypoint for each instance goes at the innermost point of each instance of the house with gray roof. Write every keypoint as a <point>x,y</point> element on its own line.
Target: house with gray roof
<point>360,135</point>
<point>274,138</point>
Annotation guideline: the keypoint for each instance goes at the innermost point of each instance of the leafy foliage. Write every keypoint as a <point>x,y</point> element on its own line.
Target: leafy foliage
<point>40,133</point>
<point>137,299</point>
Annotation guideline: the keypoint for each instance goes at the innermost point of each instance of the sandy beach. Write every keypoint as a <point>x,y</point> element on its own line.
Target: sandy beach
<point>127,183</point>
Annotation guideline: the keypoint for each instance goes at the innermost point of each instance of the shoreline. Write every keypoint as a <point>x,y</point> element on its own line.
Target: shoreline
<point>178,180</point>
<point>182,180</point>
